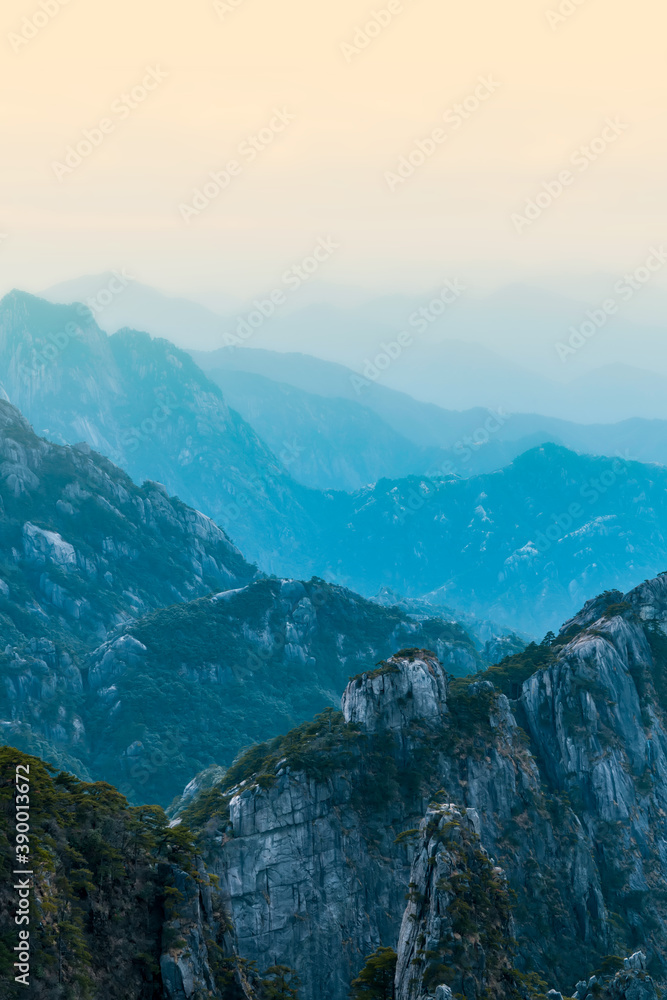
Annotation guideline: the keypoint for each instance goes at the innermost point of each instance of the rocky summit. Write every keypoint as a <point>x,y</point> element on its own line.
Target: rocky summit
<point>501,834</point>
<point>455,830</point>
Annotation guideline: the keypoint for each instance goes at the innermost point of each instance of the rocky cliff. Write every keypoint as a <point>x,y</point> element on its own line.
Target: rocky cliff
<point>84,549</point>
<point>193,684</point>
<point>319,838</point>
<point>145,405</point>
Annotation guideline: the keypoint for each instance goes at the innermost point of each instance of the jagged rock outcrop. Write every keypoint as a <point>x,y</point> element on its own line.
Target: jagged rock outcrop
<point>85,549</point>
<point>195,683</point>
<point>314,843</point>
<point>315,864</point>
<point>393,696</point>
<point>458,919</point>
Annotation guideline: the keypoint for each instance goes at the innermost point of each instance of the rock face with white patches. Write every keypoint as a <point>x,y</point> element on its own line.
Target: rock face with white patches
<point>394,696</point>
<point>565,786</point>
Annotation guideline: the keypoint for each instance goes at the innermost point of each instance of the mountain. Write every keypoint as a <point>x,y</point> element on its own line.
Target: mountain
<point>501,835</point>
<point>521,546</point>
<point>453,362</point>
<point>193,684</point>
<point>118,300</point>
<point>84,549</point>
<point>496,835</point>
<point>467,444</point>
<point>460,375</point>
<point>147,407</point>
<point>324,443</point>
<point>139,646</point>
<point>424,424</point>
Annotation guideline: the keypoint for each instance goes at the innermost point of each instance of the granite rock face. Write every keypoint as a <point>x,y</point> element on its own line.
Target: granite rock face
<point>565,786</point>
<point>184,963</point>
<point>85,549</point>
<point>394,697</point>
<point>455,889</point>
<point>305,884</point>
<point>631,982</point>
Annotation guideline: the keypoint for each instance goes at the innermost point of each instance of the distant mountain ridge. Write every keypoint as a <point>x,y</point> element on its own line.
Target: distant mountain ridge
<point>467,446</point>
<point>521,546</point>
<point>477,541</point>
<point>138,646</point>
<point>456,362</point>
<point>146,406</point>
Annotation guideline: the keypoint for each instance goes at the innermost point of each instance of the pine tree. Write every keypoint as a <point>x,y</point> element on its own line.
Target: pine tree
<point>280,983</point>
<point>376,979</point>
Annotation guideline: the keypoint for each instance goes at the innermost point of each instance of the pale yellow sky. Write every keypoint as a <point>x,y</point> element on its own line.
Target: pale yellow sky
<point>355,115</point>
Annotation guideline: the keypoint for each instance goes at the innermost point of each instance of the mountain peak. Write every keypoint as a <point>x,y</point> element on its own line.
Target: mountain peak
<point>410,685</point>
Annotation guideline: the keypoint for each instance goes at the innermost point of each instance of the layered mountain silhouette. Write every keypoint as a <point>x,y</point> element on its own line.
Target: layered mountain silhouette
<point>521,545</point>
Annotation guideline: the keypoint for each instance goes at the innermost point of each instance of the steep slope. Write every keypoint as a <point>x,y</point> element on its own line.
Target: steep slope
<point>85,549</point>
<point>191,685</point>
<point>523,546</point>
<point>325,443</point>
<point>565,785</point>
<point>146,406</point>
<point>469,447</point>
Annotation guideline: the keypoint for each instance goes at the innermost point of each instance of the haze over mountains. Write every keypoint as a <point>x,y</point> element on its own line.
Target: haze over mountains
<point>497,351</point>
<point>443,519</point>
<point>142,647</point>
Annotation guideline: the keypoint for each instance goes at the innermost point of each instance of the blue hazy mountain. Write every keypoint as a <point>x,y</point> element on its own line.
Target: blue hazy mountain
<point>463,436</point>
<point>133,630</point>
<point>533,537</point>
<point>486,350</point>
<point>118,300</point>
<point>477,541</point>
<point>146,406</point>
<point>324,442</point>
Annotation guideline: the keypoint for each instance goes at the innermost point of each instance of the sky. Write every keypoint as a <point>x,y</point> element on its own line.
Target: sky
<point>410,133</point>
